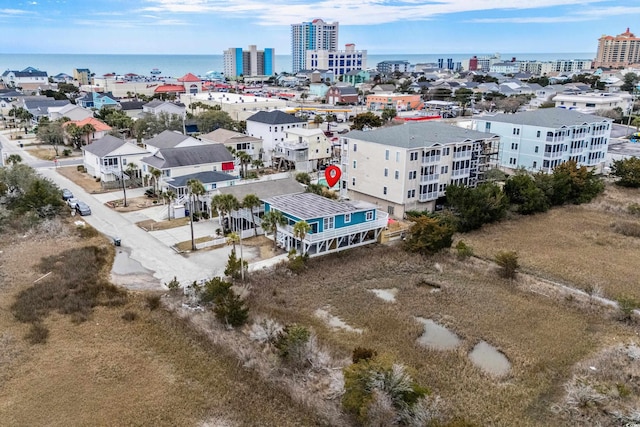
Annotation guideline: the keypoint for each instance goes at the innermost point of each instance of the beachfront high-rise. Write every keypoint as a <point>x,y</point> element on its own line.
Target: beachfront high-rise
<point>315,35</point>
<point>249,63</point>
<point>619,51</point>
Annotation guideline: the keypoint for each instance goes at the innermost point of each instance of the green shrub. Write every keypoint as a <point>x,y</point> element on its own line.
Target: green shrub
<point>292,345</point>
<point>231,310</point>
<point>634,209</point>
<point>508,262</point>
<point>174,285</point>
<point>66,152</point>
<point>212,289</point>
<point>463,250</point>
<point>38,334</point>
<point>81,168</point>
<point>235,265</point>
<point>627,305</point>
<point>429,235</point>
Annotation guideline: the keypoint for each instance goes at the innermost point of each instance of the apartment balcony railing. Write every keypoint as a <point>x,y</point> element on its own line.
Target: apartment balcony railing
<point>576,150</point>
<point>425,197</point>
<point>426,160</point>
<point>462,155</point>
<point>380,222</point>
<point>429,178</point>
<point>460,172</point>
<point>555,139</point>
<point>556,155</point>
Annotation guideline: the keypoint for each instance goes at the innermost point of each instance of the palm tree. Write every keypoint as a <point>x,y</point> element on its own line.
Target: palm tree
<point>270,222</point>
<point>251,201</point>
<point>300,230</point>
<point>156,173</point>
<point>87,130</point>
<point>194,186</point>
<point>225,204</point>
<point>232,239</point>
<point>196,189</point>
<point>257,163</point>
<point>169,196</point>
<point>132,170</point>
<point>14,159</point>
<point>245,160</point>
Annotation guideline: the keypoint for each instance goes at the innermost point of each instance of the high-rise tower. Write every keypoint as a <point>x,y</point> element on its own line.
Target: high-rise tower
<point>619,51</point>
<point>315,35</point>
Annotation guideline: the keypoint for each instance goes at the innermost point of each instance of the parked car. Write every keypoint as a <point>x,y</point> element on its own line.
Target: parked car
<point>72,202</point>
<point>66,194</point>
<point>82,208</point>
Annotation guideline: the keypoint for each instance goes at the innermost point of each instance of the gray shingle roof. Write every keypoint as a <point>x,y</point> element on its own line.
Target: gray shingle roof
<point>208,177</point>
<point>187,156</point>
<point>105,145</point>
<point>167,139</point>
<point>306,206</point>
<point>264,189</point>
<point>274,118</point>
<point>418,134</point>
<point>547,117</point>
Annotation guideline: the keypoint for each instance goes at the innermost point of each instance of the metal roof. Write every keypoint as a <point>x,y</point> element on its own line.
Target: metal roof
<point>306,206</point>
<point>105,145</point>
<point>264,189</point>
<point>208,177</point>
<point>418,134</point>
<point>167,139</point>
<point>167,158</point>
<point>276,117</point>
<point>547,117</point>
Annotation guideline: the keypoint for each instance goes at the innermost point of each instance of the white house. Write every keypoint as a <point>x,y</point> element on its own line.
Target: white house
<point>28,79</point>
<point>235,140</point>
<point>408,167</point>
<point>305,149</point>
<point>540,140</point>
<point>591,102</point>
<point>170,139</point>
<point>271,127</point>
<point>189,160</point>
<point>157,106</point>
<point>73,112</point>
<point>107,158</point>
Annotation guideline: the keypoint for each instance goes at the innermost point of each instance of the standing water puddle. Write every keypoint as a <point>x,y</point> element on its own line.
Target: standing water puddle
<point>436,336</point>
<point>123,264</point>
<point>489,359</point>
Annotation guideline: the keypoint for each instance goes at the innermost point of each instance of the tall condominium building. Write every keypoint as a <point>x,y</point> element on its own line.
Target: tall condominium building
<point>340,62</point>
<point>252,62</point>
<point>618,51</point>
<point>315,35</point>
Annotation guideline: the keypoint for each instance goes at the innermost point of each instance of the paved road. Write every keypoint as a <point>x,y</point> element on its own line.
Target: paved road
<point>152,253</point>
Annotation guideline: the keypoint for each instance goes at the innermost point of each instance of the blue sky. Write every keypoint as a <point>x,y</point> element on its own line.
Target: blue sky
<point>379,26</point>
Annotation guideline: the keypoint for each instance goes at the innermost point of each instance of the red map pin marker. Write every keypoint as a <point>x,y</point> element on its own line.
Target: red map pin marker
<point>332,175</point>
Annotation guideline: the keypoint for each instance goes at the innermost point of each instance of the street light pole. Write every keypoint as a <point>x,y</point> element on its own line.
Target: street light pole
<point>124,189</point>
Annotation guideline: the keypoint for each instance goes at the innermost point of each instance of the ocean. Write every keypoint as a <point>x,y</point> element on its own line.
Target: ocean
<point>200,65</point>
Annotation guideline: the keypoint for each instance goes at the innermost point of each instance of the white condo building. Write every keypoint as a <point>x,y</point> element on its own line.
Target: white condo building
<point>540,140</point>
<point>340,62</point>
<point>315,35</point>
<point>409,166</point>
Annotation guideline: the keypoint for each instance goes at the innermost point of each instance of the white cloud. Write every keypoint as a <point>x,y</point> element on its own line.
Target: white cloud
<point>13,12</point>
<point>576,16</point>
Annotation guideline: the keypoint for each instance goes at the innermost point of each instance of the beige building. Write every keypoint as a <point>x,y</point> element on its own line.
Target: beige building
<point>305,149</point>
<point>619,51</point>
<point>408,167</point>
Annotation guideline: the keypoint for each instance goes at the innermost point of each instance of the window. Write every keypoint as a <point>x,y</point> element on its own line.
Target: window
<point>328,223</point>
<point>386,172</point>
<point>397,156</point>
<point>355,164</point>
<point>386,154</point>
<point>445,152</point>
<point>347,218</point>
<point>355,147</point>
<point>384,190</point>
<point>353,182</point>
<point>444,169</point>
<point>369,216</point>
<point>397,175</point>
<point>535,165</point>
<point>538,134</point>
<point>413,174</point>
<point>536,149</point>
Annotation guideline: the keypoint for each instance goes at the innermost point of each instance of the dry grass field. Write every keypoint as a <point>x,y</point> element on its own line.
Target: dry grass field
<point>151,369</point>
<point>84,180</point>
<point>542,338</point>
<point>577,245</point>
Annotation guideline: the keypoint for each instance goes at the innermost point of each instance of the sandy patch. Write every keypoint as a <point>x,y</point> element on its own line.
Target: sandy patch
<point>335,322</point>
<point>388,295</point>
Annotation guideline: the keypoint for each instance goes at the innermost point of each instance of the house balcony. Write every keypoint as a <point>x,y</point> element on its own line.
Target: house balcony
<point>462,154</point>
<point>426,197</point>
<point>429,178</point>
<point>106,170</point>
<point>428,160</point>
<point>556,155</point>
<point>460,172</point>
<point>381,222</point>
<point>291,145</point>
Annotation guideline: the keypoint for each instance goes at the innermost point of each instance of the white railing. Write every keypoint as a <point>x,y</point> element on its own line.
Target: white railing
<point>425,197</point>
<point>110,169</point>
<point>555,155</point>
<point>430,159</point>
<point>576,150</point>
<point>461,172</point>
<point>429,178</point>
<point>462,154</point>
<point>381,222</point>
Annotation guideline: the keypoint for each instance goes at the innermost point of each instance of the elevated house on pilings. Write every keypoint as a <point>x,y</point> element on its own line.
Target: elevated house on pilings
<point>334,225</point>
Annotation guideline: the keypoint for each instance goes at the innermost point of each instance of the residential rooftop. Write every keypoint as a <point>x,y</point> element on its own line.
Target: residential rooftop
<point>547,117</point>
<point>307,206</point>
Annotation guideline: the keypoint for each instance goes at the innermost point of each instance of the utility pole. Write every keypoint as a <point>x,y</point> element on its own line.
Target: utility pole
<point>124,189</point>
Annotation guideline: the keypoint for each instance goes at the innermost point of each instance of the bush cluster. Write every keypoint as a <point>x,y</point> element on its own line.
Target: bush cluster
<point>228,307</point>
